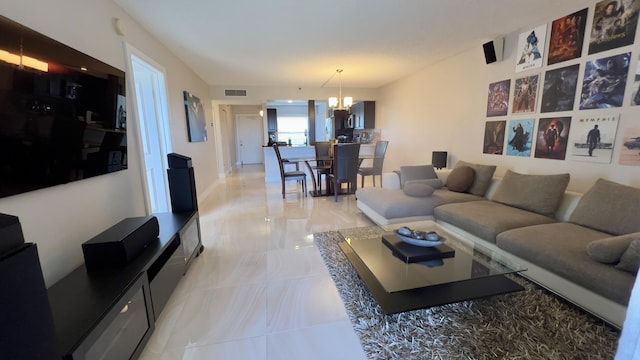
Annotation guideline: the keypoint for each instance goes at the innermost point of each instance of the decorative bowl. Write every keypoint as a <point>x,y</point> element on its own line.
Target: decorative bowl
<point>419,242</point>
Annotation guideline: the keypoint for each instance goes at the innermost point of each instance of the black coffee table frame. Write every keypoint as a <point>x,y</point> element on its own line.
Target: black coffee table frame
<point>430,295</point>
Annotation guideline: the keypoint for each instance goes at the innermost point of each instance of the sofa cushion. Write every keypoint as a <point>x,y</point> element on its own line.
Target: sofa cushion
<point>560,249</point>
<point>486,219</point>
<point>434,183</point>
<point>609,250</point>
<point>460,179</point>
<point>538,193</point>
<point>482,178</point>
<point>395,204</point>
<point>417,189</point>
<point>609,207</point>
<point>630,260</point>
<point>416,172</point>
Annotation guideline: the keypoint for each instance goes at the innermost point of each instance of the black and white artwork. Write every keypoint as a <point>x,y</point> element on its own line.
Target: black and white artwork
<point>195,118</point>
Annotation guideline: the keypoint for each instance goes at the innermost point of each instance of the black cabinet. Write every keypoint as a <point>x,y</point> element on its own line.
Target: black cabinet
<point>113,311</point>
<point>364,115</point>
<point>272,120</point>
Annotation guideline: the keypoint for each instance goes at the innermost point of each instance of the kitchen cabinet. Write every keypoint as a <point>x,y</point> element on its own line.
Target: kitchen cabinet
<point>272,120</point>
<point>364,114</point>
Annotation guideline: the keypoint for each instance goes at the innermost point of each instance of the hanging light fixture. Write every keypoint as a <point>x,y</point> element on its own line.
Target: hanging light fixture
<point>337,102</point>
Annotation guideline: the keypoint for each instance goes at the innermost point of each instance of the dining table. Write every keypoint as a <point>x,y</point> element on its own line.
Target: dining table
<point>308,160</point>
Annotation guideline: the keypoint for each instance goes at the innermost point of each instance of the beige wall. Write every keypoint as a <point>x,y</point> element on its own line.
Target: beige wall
<point>61,218</point>
<point>443,107</point>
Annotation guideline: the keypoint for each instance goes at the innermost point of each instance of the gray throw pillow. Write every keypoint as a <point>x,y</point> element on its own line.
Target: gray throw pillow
<point>434,183</point>
<point>460,179</point>
<point>538,193</point>
<point>608,207</point>
<point>416,172</point>
<point>417,189</point>
<point>609,250</point>
<point>482,178</point>
<point>630,260</point>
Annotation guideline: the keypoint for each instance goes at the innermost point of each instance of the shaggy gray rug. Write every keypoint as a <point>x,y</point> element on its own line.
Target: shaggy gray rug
<point>531,324</point>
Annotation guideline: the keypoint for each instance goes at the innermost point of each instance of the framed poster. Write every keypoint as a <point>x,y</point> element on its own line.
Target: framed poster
<point>195,118</point>
<point>593,137</point>
<point>567,36</point>
<point>521,137</point>
<point>559,89</point>
<point>531,49</point>
<point>630,151</point>
<point>635,95</point>
<point>525,93</point>
<point>494,137</point>
<point>498,99</point>
<point>552,137</point>
<point>614,25</point>
<point>604,82</point>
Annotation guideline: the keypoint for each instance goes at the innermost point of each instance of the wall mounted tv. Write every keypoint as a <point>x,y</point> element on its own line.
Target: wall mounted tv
<point>62,113</point>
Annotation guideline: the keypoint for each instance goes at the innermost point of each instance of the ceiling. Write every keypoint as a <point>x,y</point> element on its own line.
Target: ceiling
<point>301,43</point>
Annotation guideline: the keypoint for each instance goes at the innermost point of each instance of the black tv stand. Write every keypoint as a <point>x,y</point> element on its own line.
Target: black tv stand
<point>114,311</point>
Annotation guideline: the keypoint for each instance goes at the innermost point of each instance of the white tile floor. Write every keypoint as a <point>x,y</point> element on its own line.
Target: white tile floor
<point>260,289</point>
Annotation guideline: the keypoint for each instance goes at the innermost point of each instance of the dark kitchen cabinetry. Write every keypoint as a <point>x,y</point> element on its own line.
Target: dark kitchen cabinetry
<point>272,120</point>
<point>364,115</point>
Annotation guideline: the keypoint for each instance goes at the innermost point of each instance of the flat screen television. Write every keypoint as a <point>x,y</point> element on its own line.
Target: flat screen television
<point>62,113</point>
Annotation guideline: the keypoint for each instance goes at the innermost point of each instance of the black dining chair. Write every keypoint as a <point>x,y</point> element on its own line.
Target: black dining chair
<point>376,169</point>
<point>322,167</point>
<point>345,168</point>
<point>297,175</point>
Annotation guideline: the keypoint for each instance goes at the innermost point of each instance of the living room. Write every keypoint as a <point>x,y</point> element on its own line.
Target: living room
<point>440,108</point>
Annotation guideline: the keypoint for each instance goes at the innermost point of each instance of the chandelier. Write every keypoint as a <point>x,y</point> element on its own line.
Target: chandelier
<point>338,103</point>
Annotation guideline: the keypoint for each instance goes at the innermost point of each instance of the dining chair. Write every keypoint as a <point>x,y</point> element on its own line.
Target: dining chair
<point>345,168</point>
<point>376,169</point>
<point>322,167</point>
<point>297,175</point>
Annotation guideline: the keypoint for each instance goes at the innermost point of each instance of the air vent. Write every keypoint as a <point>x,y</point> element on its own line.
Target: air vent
<point>235,93</point>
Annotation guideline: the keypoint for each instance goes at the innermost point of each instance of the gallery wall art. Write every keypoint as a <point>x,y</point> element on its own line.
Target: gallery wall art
<point>525,94</point>
<point>494,137</point>
<point>498,98</point>
<point>531,48</point>
<point>520,137</point>
<point>586,88</point>
<point>614,25</point>
<point>567,35</point>
<point>195,118</point>
<point>593,136</point>
<point>604,82</point>
<point>559,90</point>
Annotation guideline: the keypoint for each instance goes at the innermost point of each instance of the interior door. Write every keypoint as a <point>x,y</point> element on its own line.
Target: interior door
<point>150,96</point>
<point>249,136</point>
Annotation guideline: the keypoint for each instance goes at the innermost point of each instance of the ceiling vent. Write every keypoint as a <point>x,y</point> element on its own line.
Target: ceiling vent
<point>235,93</point>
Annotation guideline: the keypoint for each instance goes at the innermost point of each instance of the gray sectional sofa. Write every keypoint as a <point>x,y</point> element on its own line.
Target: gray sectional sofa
<point>583,247</point>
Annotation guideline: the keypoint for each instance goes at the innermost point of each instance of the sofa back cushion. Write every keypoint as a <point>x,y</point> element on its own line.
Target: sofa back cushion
<point>434,183</point>
<point>416,172</point>
<point>482,177</point>
<point>609,207</point>
<point>538,193</point>
<point>460,179</point>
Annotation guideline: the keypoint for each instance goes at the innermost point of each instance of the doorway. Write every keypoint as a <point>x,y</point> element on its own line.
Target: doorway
<point>249,136</point>
<point>150,99</point>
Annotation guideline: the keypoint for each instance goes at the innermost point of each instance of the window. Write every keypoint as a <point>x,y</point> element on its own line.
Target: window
<point>292,128</point>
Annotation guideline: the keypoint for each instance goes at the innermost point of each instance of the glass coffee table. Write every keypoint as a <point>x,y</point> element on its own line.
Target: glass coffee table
<point>472,272</point>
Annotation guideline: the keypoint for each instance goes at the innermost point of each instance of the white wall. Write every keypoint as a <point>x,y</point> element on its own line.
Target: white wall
<point>61,218</point>
<point>443,107</point>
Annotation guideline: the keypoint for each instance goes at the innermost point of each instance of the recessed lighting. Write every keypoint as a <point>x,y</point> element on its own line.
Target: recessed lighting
<point>83,68</point>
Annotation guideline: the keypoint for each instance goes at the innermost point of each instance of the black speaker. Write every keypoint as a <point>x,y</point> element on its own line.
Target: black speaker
<point>182,188</point>
<point>121,243</point>
<point>27,330</point>
<point>489,52</point>
<point>177,161</point>
<point>439,159</point>
<point>10,233</point>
